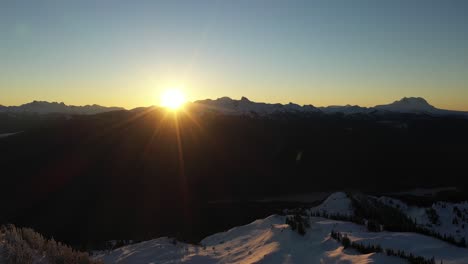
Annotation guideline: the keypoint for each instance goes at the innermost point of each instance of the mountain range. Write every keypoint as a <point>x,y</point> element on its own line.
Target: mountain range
<point>226,105</point>
<point>409,105</point>
<point>42,107</point>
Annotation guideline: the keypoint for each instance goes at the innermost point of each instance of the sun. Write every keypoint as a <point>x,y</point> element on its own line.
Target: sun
<point>173,99</point>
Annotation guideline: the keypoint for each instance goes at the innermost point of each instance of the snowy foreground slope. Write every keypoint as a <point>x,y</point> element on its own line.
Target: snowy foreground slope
<point>270,240</point>
<point>444,218</point>
<point>263,241</point>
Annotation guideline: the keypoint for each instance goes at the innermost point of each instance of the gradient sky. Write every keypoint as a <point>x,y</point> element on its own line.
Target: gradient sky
<point>310,52</point>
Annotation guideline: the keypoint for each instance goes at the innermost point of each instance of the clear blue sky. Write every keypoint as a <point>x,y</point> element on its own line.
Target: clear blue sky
<point>311,52</point>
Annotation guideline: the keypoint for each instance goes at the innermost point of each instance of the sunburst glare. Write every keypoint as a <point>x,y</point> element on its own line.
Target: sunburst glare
<point>173,99</point>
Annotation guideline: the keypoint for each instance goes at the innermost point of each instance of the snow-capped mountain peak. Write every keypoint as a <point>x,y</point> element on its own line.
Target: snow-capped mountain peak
<point>413,100</point>
<point>409,105</point>
<point>244,106</point>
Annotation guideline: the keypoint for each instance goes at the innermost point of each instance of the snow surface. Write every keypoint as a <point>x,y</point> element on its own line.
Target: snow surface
<point>336,203</point>
<point>445,211</point>
<point>270,240</point>
<point>263,241</point>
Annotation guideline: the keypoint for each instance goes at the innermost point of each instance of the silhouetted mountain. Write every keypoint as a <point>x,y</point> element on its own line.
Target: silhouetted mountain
<point>244,106</point>
<point>226,105</point>
<point>42,107</point>
<point>411,105</point>
<point>347,109</point>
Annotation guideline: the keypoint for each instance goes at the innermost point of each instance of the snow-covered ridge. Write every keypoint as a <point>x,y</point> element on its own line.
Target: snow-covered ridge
<point>444,218</point>
<point>244,106</point>
<point>336,204</point>
<point>409,105</point>
<point>264,241</point>
<point>226,105</point>
<point>42,107</point>
<point>270,240</point>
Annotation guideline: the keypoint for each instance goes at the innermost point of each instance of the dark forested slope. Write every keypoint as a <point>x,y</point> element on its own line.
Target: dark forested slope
<point>143,173</point>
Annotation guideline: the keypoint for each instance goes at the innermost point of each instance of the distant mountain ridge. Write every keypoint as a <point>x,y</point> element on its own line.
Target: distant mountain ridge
<point>407,105</point>
<point>244,106</point>
<point>347,109</point>
<point>227,105</point>
<point>43,107</point>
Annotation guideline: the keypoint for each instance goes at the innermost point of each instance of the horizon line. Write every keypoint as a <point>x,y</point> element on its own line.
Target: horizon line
<point>194,101</point>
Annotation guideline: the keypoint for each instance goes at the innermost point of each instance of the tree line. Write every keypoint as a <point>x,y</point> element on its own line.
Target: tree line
<point>25,246</point>
<point>366,249</point>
